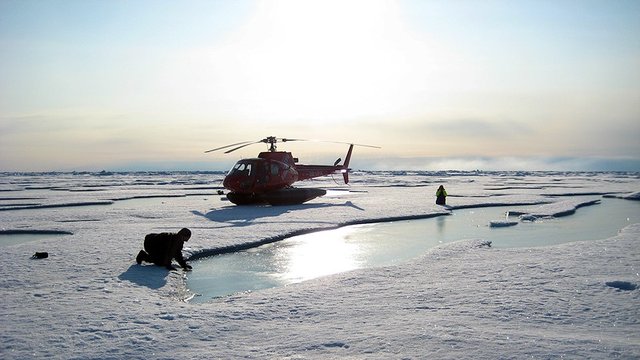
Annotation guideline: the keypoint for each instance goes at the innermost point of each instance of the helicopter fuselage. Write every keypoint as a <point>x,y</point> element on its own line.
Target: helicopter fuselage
<point>271,171</point>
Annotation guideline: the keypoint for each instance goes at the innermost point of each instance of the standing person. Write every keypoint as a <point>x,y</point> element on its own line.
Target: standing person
<point>441,196</point>
<point>164,247</point>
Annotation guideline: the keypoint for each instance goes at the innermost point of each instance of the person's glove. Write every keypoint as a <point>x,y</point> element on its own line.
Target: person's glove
<point>188,267</point>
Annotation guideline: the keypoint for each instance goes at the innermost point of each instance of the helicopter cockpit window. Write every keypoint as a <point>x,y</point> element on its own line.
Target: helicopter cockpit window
<point>241,168</point>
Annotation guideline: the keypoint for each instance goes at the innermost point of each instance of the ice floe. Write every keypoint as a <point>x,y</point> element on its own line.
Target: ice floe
<point>89,299</point>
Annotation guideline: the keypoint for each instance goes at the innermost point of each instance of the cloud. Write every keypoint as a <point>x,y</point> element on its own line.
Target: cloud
<point>478,128</point>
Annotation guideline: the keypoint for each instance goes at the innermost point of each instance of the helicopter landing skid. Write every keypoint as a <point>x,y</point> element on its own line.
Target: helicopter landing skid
<point>289,196</point>
<point>244,199</point>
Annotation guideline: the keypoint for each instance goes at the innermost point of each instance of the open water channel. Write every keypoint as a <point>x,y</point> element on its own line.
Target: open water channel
<point>313,255</point>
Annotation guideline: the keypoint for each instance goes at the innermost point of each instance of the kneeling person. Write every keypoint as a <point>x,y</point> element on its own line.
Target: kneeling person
<point>164,247</point>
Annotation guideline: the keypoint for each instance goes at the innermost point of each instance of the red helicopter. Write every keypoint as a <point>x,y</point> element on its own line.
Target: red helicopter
<point>268,178</point>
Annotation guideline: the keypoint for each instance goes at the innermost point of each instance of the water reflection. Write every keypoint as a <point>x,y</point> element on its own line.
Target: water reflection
<point>440,222</point>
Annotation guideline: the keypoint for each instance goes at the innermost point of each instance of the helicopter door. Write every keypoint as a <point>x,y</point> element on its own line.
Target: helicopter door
<point>261,170</point>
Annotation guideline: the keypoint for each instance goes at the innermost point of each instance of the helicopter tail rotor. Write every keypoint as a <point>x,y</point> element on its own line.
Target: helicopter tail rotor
<point>345,167</point>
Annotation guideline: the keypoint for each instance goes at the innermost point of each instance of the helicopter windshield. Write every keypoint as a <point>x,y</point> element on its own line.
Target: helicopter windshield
<point>241,168</point>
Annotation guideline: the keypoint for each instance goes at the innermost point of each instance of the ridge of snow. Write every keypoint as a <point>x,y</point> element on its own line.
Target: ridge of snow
<point>557,209</point>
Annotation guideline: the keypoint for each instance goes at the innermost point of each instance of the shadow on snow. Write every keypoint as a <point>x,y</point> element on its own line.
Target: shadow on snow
<point>246,215</point>
<point>151,276</point>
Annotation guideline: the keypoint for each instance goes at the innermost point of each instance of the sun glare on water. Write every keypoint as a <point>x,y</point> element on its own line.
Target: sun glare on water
<point>318,255</point>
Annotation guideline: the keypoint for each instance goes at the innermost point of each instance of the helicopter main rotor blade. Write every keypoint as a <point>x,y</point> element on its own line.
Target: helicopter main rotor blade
<point>241,146</point>
<point>273,140</point>
<point>228,146</point>
<point>336,142</point>
<point>363,145</point>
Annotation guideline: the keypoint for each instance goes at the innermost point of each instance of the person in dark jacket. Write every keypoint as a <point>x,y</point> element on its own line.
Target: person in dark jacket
<point>441,196</point>
<point>161,248</point>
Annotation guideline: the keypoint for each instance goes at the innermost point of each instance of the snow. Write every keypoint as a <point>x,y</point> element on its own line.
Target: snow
<point>89,299</point>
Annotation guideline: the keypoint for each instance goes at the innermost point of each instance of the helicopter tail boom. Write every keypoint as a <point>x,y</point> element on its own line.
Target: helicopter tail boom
<point>311,171</point>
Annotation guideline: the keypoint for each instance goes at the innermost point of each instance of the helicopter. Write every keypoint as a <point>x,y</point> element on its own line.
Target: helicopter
<point>269,177</point>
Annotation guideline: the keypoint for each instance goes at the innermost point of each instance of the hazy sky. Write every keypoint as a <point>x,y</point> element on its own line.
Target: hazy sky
<point>451,84</point>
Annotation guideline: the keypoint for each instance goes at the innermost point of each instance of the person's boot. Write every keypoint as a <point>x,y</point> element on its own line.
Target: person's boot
<point>141,256</point>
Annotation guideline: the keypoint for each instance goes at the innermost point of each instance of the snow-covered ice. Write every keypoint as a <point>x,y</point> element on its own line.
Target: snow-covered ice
<point>89,299</point>
<point>502,223</point>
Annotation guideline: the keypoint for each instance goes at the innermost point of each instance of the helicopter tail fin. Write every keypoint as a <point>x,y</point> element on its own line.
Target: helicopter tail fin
<point>345,167</point>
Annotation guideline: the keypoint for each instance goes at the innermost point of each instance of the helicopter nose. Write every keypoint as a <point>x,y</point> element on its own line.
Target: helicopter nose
<point>231,183</point>
<point>235,183</point>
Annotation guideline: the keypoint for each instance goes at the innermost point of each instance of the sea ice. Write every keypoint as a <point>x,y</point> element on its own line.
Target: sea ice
<point>89,299</point>
<point>502,223</point>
